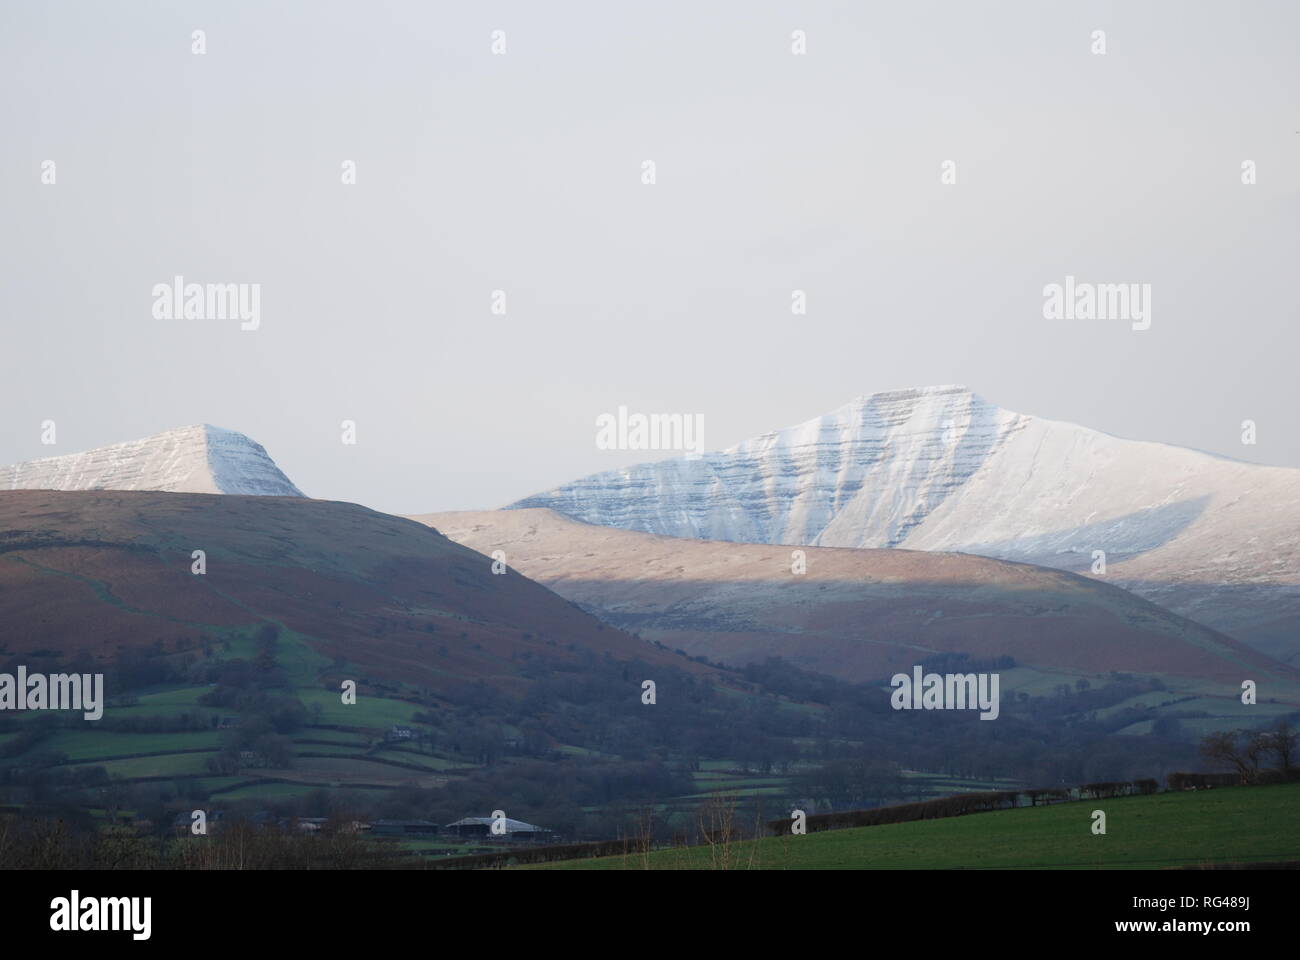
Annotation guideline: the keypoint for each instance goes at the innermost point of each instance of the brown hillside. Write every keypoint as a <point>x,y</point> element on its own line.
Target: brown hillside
<point>97,572</point>
<point>857,614</point>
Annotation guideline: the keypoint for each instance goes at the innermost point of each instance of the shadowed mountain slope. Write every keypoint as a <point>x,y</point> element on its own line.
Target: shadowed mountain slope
<point>856,614</point>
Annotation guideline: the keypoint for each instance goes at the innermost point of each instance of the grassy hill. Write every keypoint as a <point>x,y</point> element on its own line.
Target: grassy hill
<point>90,575</point>
<point>1183,829</point>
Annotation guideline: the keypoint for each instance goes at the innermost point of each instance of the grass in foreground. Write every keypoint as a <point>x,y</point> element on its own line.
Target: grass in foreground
<point>1230,825</point>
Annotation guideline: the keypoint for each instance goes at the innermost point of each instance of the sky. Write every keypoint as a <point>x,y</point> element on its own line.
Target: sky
<point>523,171</point>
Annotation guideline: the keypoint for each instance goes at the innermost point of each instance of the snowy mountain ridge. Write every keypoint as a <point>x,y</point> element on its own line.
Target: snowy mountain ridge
<point>195,459</point>
<point>939,468</point>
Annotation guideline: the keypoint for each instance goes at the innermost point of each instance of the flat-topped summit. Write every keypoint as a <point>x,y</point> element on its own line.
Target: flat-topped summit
<point>199,458</point>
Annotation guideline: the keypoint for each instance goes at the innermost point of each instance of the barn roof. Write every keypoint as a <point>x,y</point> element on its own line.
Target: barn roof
<point>512,826</point>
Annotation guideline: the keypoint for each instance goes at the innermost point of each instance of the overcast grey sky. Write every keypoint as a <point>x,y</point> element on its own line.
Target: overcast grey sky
<point>522,172</point>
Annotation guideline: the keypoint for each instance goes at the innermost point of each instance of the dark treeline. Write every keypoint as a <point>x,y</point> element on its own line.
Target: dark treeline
<point>188,658</point>
<point>68,842</point>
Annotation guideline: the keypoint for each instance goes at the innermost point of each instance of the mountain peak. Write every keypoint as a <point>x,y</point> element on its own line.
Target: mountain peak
<point>938,390</point>
<point>892,456</point>
<point>939,468</point>
<point>952,396</point>
<point>198,458</point>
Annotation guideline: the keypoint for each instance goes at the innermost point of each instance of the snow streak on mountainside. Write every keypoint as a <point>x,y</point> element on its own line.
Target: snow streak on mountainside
<point>887,459</point>
<point>939,468</point>
<point>195,459</point>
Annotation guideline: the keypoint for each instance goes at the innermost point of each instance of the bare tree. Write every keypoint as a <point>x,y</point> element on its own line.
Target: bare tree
<point>717,822</point>
<point>1239,749</point>
<point>1282,742</point>
<point>645,830</point>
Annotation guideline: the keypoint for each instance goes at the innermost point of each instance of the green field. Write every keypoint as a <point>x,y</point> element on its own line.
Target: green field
<point>167,765</point>
<point>96,745</point>
<point>284,791</point>
<point>368,711</point>
<point>420,759</point>
<point>1192,828</point>
<point>327,750</point>
<point>164,703</point>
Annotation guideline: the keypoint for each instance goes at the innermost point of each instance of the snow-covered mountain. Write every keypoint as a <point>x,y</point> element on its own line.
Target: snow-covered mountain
<point>194,459</point>
<point>939,468</point>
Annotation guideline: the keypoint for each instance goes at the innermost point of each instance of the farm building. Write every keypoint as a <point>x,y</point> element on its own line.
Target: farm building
<point>316,825</point>
<point>481,828</point>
